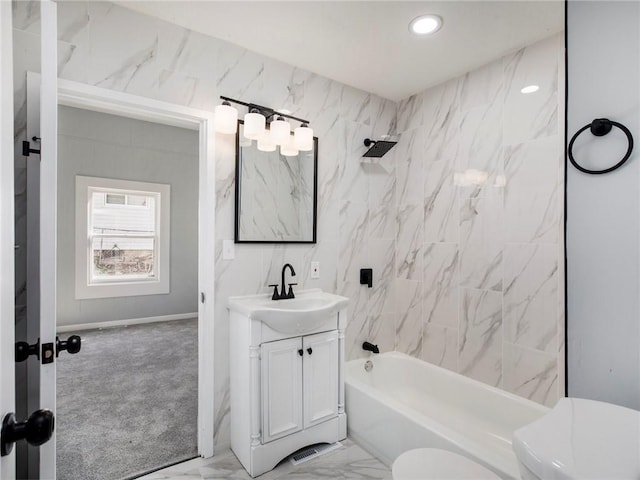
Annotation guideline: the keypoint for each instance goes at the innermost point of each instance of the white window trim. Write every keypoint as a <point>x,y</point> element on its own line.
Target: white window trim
<point>85,288</point>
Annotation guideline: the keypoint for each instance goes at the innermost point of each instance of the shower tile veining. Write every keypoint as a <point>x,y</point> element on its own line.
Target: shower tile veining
<point>348,462</point>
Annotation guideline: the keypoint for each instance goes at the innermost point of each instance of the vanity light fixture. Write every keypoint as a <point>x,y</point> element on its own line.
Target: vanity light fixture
<point>280,130</point>
<point>530,89</point>
<point>226,118</point>
<point>425,24</point>
<point>288,148</point>
<point>255,122</point>
<point>265,143</point>
<point>303,138</point>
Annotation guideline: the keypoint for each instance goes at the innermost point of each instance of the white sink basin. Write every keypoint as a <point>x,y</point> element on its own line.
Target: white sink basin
<point>304,313</point>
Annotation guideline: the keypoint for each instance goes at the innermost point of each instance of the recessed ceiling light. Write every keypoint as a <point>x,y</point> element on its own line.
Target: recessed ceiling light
<point>425,24</point>
<point>530,89</point>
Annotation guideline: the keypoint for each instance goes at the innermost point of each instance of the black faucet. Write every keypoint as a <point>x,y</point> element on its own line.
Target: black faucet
<point>283,295</point>
<point>370,347</point>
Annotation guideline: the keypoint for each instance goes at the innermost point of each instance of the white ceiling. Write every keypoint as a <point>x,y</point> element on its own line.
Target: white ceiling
<point>366,44</point>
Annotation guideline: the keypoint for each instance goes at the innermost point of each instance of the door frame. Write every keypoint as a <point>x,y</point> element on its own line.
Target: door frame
<point>7,260</point>
<point>88,97</point>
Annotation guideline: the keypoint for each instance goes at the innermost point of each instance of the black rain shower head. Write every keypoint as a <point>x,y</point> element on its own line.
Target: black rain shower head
<point>378,149</point>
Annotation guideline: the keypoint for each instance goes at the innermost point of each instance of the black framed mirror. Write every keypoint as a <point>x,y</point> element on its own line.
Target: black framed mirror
<point>276,195</point>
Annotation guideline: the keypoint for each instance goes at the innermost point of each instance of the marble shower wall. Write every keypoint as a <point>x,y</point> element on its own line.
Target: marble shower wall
<point>112,47</point>
<point>479,242</point>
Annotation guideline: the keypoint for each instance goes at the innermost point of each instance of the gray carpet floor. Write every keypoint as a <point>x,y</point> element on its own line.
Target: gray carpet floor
<point>127,402</point>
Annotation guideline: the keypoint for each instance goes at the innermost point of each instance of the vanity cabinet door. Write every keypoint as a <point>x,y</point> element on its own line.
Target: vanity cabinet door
<point>320,377</point>
<point>281,388</point>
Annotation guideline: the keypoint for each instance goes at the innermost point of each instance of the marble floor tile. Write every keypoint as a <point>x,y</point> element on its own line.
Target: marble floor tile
<point>347,462</point>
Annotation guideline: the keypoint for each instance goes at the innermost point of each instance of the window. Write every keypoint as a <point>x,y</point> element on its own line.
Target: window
<point>122,238</point>
<point>123,235</point>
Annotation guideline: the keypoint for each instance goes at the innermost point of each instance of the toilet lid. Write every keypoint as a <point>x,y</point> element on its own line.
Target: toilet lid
<point>436,464</point>
<point>582,439</point>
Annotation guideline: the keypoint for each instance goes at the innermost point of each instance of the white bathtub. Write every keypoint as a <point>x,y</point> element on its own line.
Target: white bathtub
<point>405,403</point>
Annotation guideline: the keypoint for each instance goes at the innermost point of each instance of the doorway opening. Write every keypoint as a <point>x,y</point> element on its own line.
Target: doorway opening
<point>139,262</point>
<point>127,284</point>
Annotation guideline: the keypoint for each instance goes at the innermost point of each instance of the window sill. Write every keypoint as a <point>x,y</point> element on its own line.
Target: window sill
<point>122,289</point>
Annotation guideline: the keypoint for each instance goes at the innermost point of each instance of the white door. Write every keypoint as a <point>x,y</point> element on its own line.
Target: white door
<point>7,363</point>
<point>48,200</point>
<point>43,420</point>
<point>320,377</point>
<point>281,388</point>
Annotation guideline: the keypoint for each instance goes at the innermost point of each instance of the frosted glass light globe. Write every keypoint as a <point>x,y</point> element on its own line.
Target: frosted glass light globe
<point>303,138</point>
<point>266,143</point>
<point>254,125</point>
<point>280,130</point>
<point>288,148</point>
<point>225,119</point>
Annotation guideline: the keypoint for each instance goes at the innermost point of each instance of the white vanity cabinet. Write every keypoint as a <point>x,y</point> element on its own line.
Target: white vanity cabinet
<point>286,375</point>
<point>320,377</point>
<point>299,383</point>
<point>281,384</point>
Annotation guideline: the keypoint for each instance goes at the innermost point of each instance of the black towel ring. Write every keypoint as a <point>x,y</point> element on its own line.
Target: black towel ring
<point>600,127</point>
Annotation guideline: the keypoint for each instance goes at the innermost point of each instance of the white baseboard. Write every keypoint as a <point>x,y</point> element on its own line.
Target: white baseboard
<point>124,323</point>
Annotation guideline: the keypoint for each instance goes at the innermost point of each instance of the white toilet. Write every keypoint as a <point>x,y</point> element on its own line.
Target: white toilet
<point>577,440</point>
<point>580,439</point>
<point>436,464</point>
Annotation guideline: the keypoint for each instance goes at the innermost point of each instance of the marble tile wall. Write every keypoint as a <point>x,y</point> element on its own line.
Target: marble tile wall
<point>479,240</point>
<point>112,47</point>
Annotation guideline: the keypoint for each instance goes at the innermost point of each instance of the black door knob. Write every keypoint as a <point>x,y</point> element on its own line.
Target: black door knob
<point>36,430</point>
<point>24,350</point>
<point>309,351</point>
<point>300,352</point>
<point>72,345</point>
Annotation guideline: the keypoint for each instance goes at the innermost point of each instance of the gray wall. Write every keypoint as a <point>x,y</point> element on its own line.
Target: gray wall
<point>603,51</point>
<point>101,145</point>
